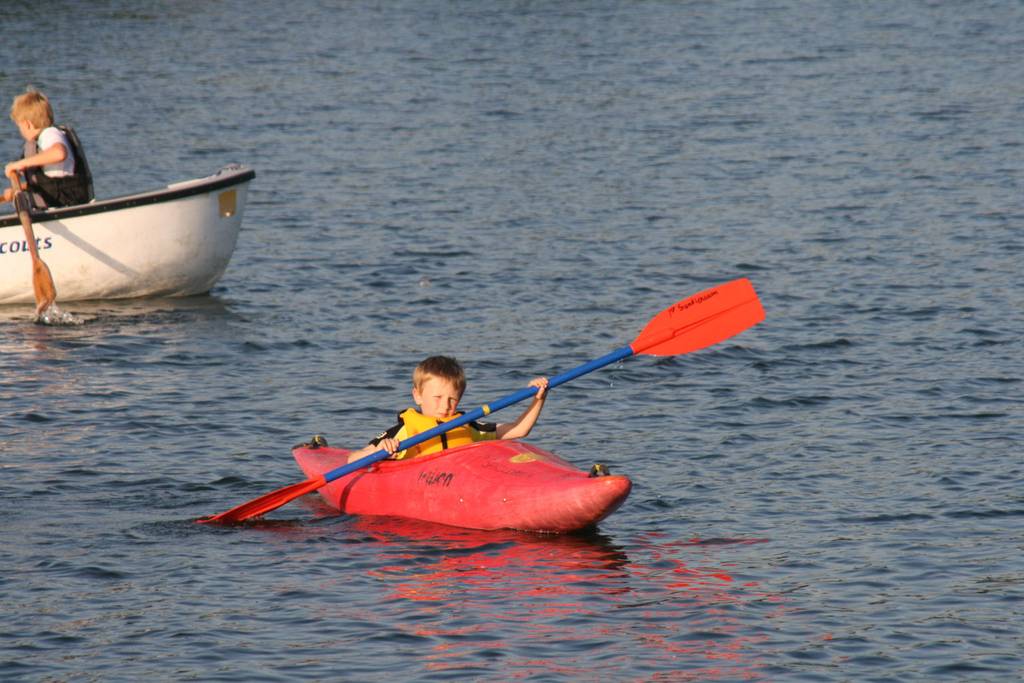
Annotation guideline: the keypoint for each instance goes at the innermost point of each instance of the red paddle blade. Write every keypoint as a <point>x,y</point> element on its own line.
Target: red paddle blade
<point>701,320</point>
<point>266,503</point>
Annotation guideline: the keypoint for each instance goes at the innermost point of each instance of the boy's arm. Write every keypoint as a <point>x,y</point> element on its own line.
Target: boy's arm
<point>388,444</point>
<point>387,440</point>
<point>521,427</point>
<point>54,154</point>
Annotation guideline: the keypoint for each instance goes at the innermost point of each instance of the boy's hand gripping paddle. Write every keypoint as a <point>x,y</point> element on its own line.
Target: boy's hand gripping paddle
<point>689,325</point>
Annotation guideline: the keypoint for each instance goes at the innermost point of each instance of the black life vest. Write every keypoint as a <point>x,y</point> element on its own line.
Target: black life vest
<point>68,190</point>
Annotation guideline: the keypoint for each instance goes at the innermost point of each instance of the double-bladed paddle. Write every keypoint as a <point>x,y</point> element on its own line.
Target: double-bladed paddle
<point>42,281</point>
<point>689,325</point>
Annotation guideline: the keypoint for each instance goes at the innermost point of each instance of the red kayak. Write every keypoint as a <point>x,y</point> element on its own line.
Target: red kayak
<point>485,485</point>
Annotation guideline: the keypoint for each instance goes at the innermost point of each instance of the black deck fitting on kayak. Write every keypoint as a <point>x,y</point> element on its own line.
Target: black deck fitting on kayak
<point>599,470</point>
<point>316,442</point>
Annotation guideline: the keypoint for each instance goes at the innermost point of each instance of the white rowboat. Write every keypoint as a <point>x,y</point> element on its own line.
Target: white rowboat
<point>175,241</point>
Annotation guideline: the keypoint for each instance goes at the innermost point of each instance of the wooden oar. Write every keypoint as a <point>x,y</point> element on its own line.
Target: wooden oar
<point>42,281</point>
<point>691,324</point>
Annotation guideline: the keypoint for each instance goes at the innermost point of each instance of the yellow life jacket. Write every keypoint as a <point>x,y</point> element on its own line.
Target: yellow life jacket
<point>416,422</point>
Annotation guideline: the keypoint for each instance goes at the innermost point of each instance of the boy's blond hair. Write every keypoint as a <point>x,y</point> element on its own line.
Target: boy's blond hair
<point>443,367</point>
<point>32,106</point>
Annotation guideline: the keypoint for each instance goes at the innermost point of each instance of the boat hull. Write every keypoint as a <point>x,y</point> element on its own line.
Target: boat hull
<point>487,485</point>
<point>176,241</point>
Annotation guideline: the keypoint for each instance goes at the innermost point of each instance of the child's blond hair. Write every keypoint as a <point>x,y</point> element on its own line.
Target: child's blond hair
<point>32,106</point>
<point>443,367</point>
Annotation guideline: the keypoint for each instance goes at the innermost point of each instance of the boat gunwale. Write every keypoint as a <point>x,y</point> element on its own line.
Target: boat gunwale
<point>228,176</point>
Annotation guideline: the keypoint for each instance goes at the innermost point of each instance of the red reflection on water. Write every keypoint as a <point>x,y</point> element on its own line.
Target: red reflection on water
<point>575,606</point>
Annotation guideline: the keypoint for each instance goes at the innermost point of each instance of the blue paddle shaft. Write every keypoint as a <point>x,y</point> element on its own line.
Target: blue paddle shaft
<point>483,411</point>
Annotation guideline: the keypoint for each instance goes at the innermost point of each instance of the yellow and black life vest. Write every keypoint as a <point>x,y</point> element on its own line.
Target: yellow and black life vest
<point>414,422</point>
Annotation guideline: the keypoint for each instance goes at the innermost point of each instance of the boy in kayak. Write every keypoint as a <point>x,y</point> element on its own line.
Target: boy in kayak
<point>48,162</point>
<point>437,387</point>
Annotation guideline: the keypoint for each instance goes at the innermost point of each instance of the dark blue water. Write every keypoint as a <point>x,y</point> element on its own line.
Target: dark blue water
<point>834,495</point>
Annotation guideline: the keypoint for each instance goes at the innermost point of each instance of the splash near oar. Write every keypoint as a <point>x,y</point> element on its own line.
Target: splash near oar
<point>691,324</point>
<point>42,281</point>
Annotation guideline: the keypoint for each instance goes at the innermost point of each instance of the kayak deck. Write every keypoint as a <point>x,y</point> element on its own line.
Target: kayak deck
<point>486,485</point>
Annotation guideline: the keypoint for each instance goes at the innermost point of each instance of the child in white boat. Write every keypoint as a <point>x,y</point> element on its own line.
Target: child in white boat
<point>48,163</point>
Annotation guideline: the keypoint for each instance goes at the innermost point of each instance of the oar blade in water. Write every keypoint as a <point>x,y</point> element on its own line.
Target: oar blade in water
<point>42,280</point>
<point>42,285</point>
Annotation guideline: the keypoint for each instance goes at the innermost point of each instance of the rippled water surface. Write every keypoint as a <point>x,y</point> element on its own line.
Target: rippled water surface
<point>834,495</point>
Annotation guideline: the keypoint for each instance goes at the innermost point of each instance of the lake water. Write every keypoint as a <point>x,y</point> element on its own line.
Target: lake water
<point>834,495</point>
